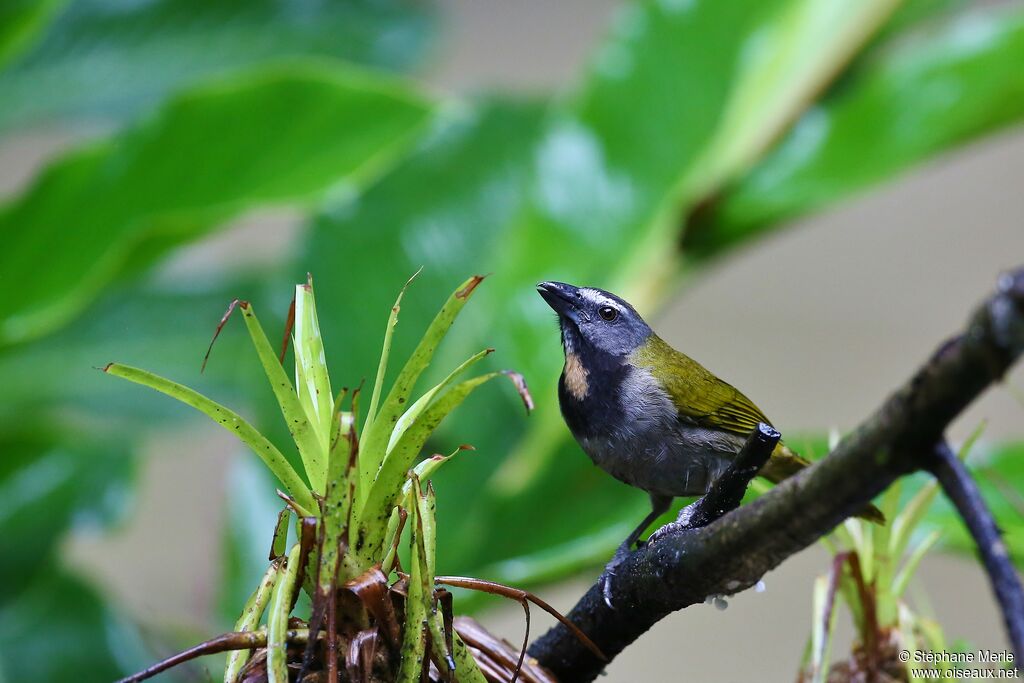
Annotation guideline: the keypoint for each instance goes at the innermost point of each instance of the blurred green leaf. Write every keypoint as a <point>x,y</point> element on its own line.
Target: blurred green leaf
<point>912,100</point>
<point>277,136</point>
<point>48,483</point>
<point>754,64</point>
<point>627,180</point>
<point>563,475</point>
<point>21,21</point>
<point>911,16</point>
<point>58,629</point>
<point>57,378</point>
<point>679,100</point>
<point>105,58</point>
<point>441,208</point>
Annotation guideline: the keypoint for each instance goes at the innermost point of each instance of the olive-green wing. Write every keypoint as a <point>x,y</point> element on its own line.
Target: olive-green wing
<point>699,396</point>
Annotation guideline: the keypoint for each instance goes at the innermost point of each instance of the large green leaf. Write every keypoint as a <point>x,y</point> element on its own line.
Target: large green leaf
<point>745,71</point>
<point>592,201</point>
<point>912,99</point>
<point>69,432</point>
<point>276,136</point>
<point>105,58</point>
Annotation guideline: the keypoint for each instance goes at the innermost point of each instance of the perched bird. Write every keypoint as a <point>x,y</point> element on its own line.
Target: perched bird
<point>645,413</point>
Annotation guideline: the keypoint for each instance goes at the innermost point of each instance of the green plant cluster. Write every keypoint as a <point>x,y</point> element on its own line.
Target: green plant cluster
<point>872,569</point>
<point>355,494</point>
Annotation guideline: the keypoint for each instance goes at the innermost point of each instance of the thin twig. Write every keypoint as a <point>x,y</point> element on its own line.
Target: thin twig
<point>216,333</point>
<point>236,640</point>
<point>962,490</point>
<point>521,596</point>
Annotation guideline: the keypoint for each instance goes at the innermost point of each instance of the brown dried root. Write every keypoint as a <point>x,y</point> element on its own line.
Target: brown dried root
<point>498,658</point>
<point>240,640</point>
<point>523,598</point>
<point>370,654</point>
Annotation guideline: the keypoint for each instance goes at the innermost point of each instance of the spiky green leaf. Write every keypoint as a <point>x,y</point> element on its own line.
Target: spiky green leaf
<point>226,418</point>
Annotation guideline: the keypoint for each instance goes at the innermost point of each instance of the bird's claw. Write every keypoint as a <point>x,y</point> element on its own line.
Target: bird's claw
<point>682,522</point>
<point>605,582</point>
<point>661,532</point>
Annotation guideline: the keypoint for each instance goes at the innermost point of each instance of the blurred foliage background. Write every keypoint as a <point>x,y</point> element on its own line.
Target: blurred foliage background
<point>698,126</point>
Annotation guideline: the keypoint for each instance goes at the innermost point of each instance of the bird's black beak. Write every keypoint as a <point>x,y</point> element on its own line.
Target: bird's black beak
<point>561,297</point>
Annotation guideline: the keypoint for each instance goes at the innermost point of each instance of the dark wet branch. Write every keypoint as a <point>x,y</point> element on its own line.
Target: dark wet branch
<point>961,489</point>
<point>727,491</point>
<point>686,565</point>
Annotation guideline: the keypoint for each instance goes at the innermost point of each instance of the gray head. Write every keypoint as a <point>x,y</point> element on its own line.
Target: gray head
<point>594,318</point>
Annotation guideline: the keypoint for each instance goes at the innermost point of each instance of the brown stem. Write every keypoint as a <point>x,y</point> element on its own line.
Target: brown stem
<point>237,640</point>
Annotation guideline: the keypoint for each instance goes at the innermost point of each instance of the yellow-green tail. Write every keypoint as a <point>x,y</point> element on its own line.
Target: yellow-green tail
<point>784,463</point>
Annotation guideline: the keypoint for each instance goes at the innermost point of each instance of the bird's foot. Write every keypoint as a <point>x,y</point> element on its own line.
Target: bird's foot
<point>605,582</point>
<point>666,530</point>
<point>682,522</point>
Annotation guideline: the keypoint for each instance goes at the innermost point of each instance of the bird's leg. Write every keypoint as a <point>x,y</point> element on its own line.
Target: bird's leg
<point>659,504</point>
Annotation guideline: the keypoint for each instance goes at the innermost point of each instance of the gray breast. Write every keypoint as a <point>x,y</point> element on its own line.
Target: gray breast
<point>652,450</point>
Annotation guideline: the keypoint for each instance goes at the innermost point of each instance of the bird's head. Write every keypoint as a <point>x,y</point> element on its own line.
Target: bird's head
<point>593,320</point>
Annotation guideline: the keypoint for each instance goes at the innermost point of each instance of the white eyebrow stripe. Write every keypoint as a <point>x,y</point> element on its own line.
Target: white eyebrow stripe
<point>598,297</point>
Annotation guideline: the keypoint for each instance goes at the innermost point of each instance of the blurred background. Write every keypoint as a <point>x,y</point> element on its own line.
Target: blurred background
<point>806,196</point>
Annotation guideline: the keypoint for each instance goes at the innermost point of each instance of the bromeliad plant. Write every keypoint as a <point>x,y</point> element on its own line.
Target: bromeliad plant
<point>872,566</point>
<point>370,619</point>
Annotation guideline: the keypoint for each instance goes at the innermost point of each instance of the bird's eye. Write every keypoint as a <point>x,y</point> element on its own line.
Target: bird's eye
<point>607,313</point>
